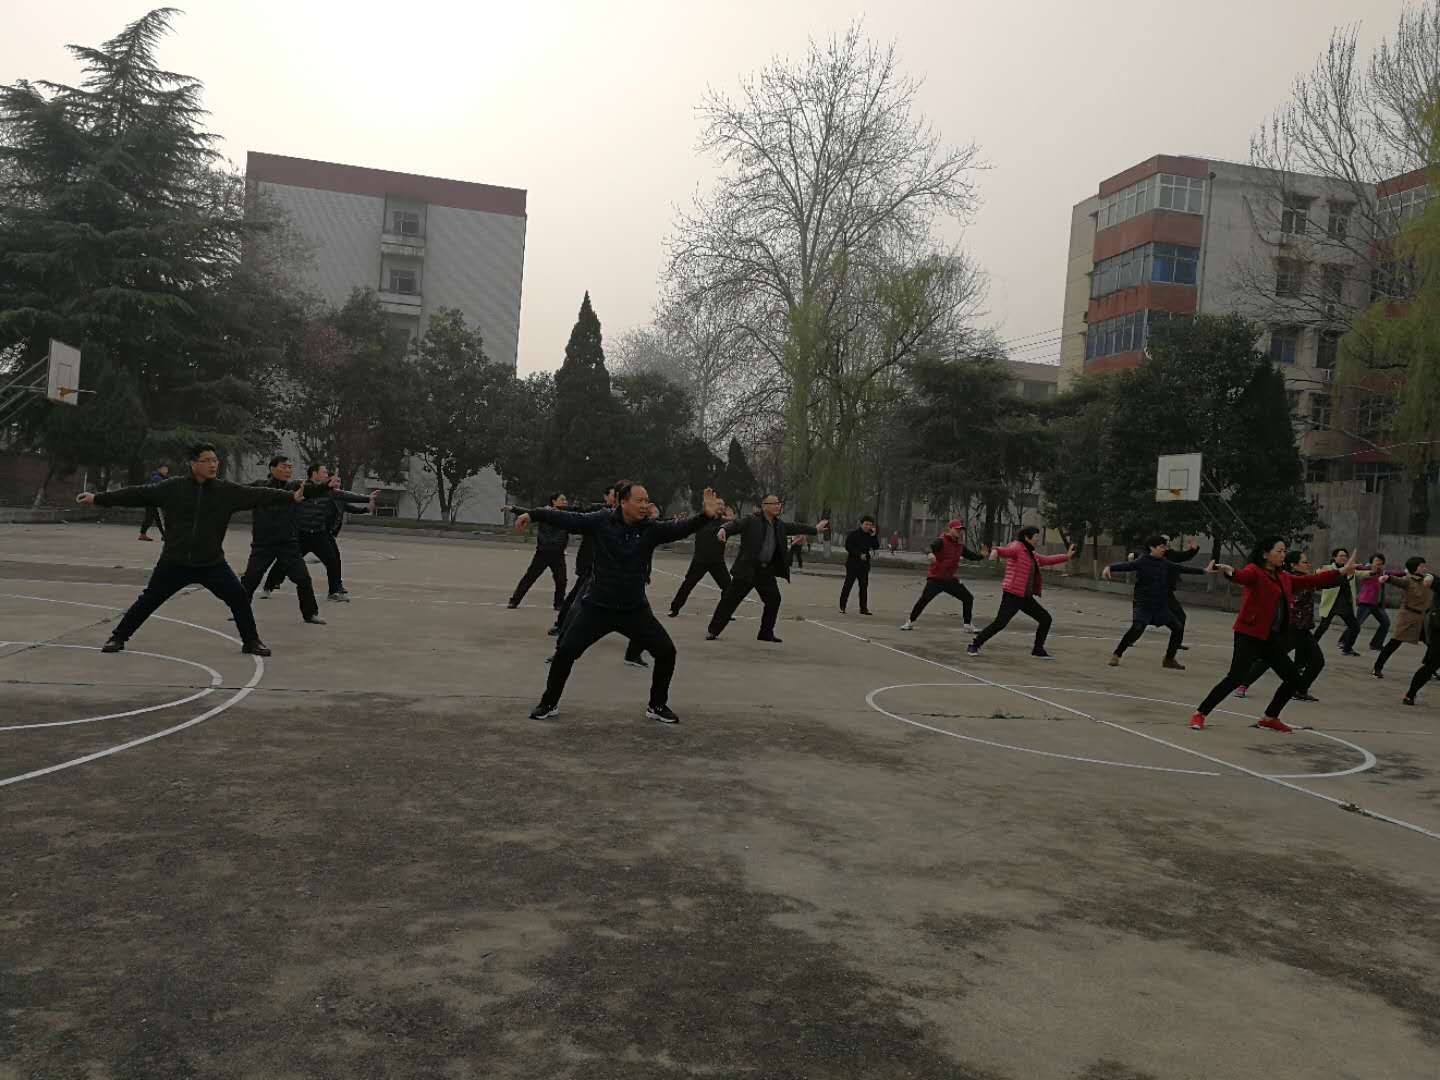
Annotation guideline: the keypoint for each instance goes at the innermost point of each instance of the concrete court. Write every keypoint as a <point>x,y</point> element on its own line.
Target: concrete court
<point>365,861</point>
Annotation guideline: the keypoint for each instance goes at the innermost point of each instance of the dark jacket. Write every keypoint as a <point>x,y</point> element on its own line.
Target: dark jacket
<point>551,538</point>
<point>621,551</point>
<point>336,509</point>
<point>709,548</point>
<point>196,515</point>
<point>277,523</point>
<point>1179,557</point>
<point>751,531</point>
<point>1154,582</point>
<point>948,554</point>
<point>318,515</point>
<point>858,546</point>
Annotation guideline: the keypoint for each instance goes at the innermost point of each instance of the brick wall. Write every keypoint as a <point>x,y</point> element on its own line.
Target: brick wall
<point>21,476</point>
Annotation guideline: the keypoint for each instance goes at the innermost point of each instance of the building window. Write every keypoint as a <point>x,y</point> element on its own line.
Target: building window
<point>1124,333</point>
<point>1320,412</point>
<point>1370,414</point>
<point>1374,474</point>
<point>1327,350</point>
<point>1284,344</point>
<point>1400,208</point>
<point>1174,263</point>
<point>1181,193</point>
<point>1391,279</point>
<point>1332,283</point>
<point>405,222</point>
<point>404,280</point>
<point>1337,225</point>
<point>1289,274</point>
<point>1317,471</point>
<point>1292,399</point>
<point>1295,216</point>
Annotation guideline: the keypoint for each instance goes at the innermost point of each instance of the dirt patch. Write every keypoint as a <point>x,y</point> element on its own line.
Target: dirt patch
<point>119,575</point>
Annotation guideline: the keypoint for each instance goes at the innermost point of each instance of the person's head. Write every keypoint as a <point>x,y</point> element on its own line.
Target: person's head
<point>204,461</point>
<point>1157,545</point>
<point>1297,562</point>
<point>1269,552</point>
<point>867,523</point>
<point>1377,561</point>
<point>727,512</point>
<point>634,501</point>
<point>280,468</point>
<point>612,497</point>
<point>558,501</point>
<point>772,506</point>
<point>1416,565</point>
<point>955,528</point>
<point>1028,535</point>
<point>1340,556</point>
<point>163,470</point>
<point>318,472</point>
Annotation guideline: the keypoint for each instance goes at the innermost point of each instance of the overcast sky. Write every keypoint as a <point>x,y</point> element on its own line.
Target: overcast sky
<point>590,107</point>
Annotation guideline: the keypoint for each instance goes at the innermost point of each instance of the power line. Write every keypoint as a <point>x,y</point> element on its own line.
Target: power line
<point>1027,337</point>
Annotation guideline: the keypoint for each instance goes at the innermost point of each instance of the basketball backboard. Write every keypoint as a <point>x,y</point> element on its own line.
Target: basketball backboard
<point>64,381</point>
<point>1177,478</point>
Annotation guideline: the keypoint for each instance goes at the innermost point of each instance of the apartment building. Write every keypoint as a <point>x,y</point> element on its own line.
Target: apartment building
<point>422,243</point>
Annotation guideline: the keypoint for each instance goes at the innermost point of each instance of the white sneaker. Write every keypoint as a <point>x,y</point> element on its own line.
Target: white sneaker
<point>971,628</point>
<point>907,625</point>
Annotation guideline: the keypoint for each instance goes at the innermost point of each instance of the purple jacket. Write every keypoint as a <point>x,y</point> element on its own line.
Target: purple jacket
<point>1368,589</point>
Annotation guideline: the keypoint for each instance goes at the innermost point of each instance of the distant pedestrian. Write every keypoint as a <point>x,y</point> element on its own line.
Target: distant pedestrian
<point>152,513</point>
<point>894,542</point>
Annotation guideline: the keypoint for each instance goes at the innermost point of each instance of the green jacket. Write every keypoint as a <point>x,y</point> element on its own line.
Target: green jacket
<point>1328,597</point>
<point>196,514</point>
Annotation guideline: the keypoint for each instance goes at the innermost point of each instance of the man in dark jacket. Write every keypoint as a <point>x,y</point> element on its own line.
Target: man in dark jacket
<point>763,538</point>
<point>1154,585</point>
<point>584,559</point>
<point>197,507</point>
<point>316,523</point>
<point>550,544</point>
<point>859,543</point>
<point>152,515</point>
<point>708,558</point>
<point>943,576</point>
<point>614,599</point>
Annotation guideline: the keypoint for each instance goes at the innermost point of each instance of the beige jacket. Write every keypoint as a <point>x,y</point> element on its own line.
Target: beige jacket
<point>1419,598</point>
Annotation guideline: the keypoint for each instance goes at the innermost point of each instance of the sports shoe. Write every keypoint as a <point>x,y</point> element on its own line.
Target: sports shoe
<point>1407,701</point>
<point>339,597</point>
<point>863,611</point>
<point>907,625</point>
<point>771,638</point>
<point>1197,722</point>
<point>113,645</point>
<point>1173,664</point>
<point>971,628</point>
<point>543,711</point>
<point>1040,653</point>
<point>315,620</point>
<point>1348,652</point>
<point>639,661</point>
<point>255,648</point>
<point>1274,723</point>
<point>1114,661</point>
<point>1301,695</point>
<point>144,537</point>
<point>842,611</point>
<point>672,614</point>
<point>661,713</point>
<point>711,637</point>
<point>1377,673</point>
<point>972,649</point>
<point>511,605</point>
<point>1241,691</point>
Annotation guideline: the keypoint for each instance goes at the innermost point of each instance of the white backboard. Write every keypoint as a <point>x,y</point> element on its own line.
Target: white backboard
<point>1177,478</point>
<point>64,382</point>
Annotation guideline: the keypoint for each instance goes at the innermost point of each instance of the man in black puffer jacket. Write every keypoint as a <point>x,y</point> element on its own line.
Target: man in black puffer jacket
<point>1154,578</point>
<point>316,524</point>
<point>550,544</point>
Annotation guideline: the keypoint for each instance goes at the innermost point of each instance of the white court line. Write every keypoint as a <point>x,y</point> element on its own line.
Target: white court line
<point>234,699</point>
<point>1342,804</point>
<point>215,681</point>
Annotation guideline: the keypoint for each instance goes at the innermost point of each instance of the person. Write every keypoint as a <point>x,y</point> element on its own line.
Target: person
<point>761,559</point>
<point>1153,591</point>
<point>275,536</point>
<point>317,523</point>
<point>1020,588</point>
<point>894,542</point>
<point>197,509</point>
<point>614,597</point>
<point>1430,665</point>
<point>1300,637</point>
<point>859,543</point>
<point>1410,623</point>
<point>797,551</point>
<point>1369,600</point>
<point>152,514</point>
<point>708,558</point>
<point>1339,603</point>
<point>943,575</point>
<point>1172,601</point>
<point>550,544</point>
<point>584,560</point>
<point>1261,628</point>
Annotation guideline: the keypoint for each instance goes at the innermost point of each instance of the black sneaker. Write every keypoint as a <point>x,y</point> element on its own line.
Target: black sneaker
<point>972,649</point>
<point>639,661</point>
<point>543,711</point>
<point>255,648</point>
<point>710,635</point>
<point>1041,653</point>
<point>511,606</point>
<point>315,620</point>
<point>771,638</point>
<point>1377,673</point>
<point>661,713</point>
<point>113,645</point>
<point>672,614</point>
<point>554,631</point>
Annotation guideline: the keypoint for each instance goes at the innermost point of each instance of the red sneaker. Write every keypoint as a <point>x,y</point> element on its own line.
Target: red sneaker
<point>1241,691</point>
<point>1274,723</point>
<point>1197,722</point>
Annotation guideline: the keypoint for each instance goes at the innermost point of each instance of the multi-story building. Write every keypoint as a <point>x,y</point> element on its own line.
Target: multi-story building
<point>422,243</point>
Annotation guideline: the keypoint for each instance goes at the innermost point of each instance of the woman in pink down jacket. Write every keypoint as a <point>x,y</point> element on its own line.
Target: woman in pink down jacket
<point>1020,589</point>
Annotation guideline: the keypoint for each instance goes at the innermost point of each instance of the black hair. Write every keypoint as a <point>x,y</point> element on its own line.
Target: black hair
<point>1257,556</point>
<point>623,489</point>
<point>278,459</point>
<point>1293,557</point>
<point>200,448</point>
<point>1337,552</point>
<point>1156,541</point>
<point>551,500</point>
<point>1377,555</point>
<point>866,518</point>
<point>313,468</point>
<point>1029,532</point>
<point>1414,563</point>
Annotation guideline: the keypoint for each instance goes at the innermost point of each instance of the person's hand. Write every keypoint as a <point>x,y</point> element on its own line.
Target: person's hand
<point>984,551</point>
<point>1074,550</point>
<point>720,535</point>
<point>522,522</point>
<point>823,526</point>
<point>298,495</point>
<point>1106,574</point>
<point>1349,568</point>
<point>1193,546</point>
<point>85,498</point>
<point>335,482</point>
<point>797,540</point>
<point>1210,567</point>
<point>711,504</point>
<point>932,556</point>
<point>1224,568</point>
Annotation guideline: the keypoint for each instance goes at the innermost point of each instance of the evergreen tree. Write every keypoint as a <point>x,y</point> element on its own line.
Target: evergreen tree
<point>737,483</point>
<point>583,444</point>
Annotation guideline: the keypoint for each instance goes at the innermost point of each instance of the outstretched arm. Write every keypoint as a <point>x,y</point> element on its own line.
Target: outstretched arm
<point>669,531</point>
<point>561,519</point>
<point>1183,556</point>
<point>141,495</point>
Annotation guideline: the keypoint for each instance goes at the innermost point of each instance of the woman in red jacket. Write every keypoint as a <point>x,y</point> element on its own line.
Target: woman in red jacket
<point>1020,589</point>
<point>1262,625</point>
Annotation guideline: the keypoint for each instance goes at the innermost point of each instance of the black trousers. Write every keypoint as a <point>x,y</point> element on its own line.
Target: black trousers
<point>1177,609</point>
<point>1309,659</point>
<point>1137,630</point>
<point>1428,667</point>
<point>1363,612</point>
<point>588,625</point>
<point>1345,615</point>
<point>169,578</point>
<point>798,552</point>
<point>856,572</point>
<point>324,547</point>
<point>934,588</point>
<point>1009,605</point>
<point>1249,654</point>
<point>152,517</point>
<point>694,573</point>
<point>289,559</point>
<point>552,559</point>
<point>762,580</point>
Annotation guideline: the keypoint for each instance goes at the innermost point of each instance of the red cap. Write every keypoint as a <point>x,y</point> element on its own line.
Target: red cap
<point>955,523</point>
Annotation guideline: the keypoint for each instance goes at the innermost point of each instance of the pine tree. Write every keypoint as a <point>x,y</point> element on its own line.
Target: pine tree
<point>737,483</point>
<point>583,445</point>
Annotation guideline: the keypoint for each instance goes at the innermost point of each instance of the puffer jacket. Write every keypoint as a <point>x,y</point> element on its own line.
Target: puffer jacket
<point>1021,562</point>
<point>318,515</point>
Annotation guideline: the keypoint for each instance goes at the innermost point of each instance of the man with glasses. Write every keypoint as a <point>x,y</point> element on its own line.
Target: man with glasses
<point>763,539</point>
